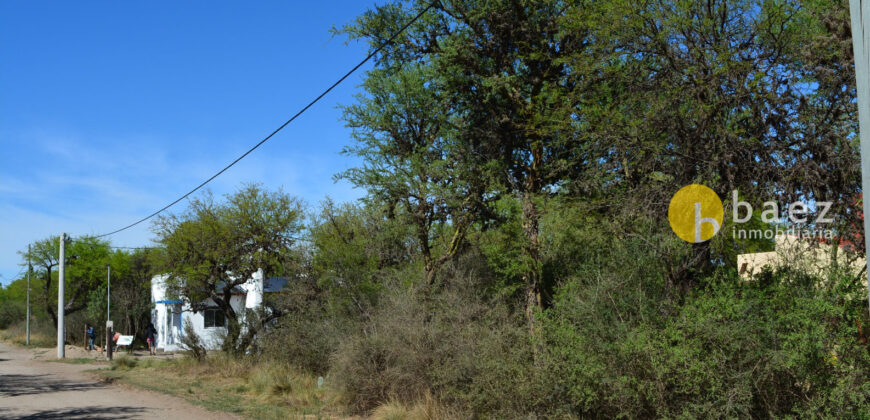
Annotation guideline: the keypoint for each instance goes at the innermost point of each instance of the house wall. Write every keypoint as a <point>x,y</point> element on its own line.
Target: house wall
<point>170,317</point>
<point>211,337</point>
<point>815,258</point>
<point>166,315</point>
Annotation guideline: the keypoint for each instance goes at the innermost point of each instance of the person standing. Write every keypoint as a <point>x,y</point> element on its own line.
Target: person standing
<point>151,339</point>
<point>92,335</point>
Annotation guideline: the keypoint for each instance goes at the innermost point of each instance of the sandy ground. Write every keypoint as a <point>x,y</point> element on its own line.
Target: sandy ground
<point>38,389</point>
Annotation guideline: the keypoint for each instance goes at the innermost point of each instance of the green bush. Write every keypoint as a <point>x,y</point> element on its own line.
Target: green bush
<point>614,339</point>
<point>124,363</point>
<point>776,346</point>
<point>42,333</point>
<point>450,344</point>
<point>310,331</point>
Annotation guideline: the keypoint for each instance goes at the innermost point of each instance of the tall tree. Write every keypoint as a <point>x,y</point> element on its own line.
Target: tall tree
<point>213,248</point>
<point>352,244</point>
<point>499,68</point>
<point>723,93</point>
<point>625,102</point>
<point>85,270</point>
<point>410,159</point>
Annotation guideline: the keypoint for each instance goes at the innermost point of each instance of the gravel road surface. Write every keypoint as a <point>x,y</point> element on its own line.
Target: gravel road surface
<point>34,389</point>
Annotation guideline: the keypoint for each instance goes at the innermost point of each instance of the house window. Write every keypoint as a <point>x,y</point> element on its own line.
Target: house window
<point>213,318</point>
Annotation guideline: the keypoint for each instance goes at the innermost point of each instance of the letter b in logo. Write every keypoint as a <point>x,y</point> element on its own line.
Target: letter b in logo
<point>696,213</point>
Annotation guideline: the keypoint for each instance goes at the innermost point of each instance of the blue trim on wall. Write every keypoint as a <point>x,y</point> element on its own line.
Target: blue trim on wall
<point>168,301</point>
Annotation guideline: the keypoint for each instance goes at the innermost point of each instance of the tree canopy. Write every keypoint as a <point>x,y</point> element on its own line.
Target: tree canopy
<point>214,247</point>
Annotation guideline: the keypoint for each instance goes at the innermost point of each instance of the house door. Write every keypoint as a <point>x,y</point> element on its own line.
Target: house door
<point>175,329</point>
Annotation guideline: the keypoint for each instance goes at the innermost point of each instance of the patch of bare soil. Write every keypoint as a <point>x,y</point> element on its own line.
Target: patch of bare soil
<point>31,388</point>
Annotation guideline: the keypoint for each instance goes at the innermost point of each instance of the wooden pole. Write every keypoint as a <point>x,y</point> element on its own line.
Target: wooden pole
<point>109,335</point>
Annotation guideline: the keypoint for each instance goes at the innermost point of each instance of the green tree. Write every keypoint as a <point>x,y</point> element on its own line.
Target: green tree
<point>724,93</point>
<point>85,270</point>
<point>130,289</point>
<point>411,160</point>
<point>352,245</point>
<point>213,248</point>
<point>500,72</point>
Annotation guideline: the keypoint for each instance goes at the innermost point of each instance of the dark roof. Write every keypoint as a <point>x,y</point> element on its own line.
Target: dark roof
<point>274,284</point>
<point>237,290</point>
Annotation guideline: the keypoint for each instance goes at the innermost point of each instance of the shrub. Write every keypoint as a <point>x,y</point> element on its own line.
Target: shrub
<point>777,346</point>
<point>426,409</point>
<point>124,363</point>
<point>451,345</point>
<point>42,333</point>
<point>309,333</point>
<point>193,344</point>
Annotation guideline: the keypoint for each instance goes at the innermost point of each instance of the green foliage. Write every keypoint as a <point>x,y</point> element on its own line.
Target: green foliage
<point>526,151</point>
<point>447,343</point>
<point>13,298</point>
<point>733,349</point>
<point>315,328</point>
<point>351,244</point>
<point>124,363</point>
<point>411,160</point>
<point>85,271</point>
<point>502,246</point>
<point>213,248</point>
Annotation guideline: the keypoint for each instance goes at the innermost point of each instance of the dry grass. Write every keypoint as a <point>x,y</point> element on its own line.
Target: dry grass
<point>39,337</point>
<point>245,387</point>
<point>124,362</point>
<point>426,409</point>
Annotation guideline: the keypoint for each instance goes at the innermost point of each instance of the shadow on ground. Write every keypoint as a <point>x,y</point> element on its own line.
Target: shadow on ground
<point>76,413</point>
<point>14,385</point>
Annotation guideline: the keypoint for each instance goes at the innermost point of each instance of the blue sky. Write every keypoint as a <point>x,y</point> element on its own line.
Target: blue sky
<point>109,111</point>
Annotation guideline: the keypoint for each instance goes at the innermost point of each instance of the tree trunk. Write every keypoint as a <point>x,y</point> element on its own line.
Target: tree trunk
<point>532,276</point>
<point>684,278</point>
<point>231,319</point>
<point>49,303</point>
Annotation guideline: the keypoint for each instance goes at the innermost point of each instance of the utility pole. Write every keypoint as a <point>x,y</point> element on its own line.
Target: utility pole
<point>109,293</point>
<point>29,268</point>
<point>109,327</point>
<point>60,297</point>
<point>860,16</point>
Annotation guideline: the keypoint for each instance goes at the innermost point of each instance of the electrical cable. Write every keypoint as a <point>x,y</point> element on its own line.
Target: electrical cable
<point>281,127</point>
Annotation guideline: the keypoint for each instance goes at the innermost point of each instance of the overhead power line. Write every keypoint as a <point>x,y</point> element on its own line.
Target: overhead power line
<point>15,277</point>
<point>281,127</point>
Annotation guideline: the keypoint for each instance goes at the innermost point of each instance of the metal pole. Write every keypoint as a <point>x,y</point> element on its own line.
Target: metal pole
<point>29,269</point>
<point>860,14</point>
<point>60,297</point>
<point>109,294</point>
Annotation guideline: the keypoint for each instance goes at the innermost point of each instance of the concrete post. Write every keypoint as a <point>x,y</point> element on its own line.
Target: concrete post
<point>60,297</point>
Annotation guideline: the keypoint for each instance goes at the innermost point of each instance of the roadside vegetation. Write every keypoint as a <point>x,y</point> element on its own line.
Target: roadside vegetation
<point>245,386</point>
<point>512,257</point>
<point>41,334</point>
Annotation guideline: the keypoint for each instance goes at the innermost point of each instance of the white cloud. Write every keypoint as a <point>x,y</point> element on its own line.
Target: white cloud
<point>88,188</point>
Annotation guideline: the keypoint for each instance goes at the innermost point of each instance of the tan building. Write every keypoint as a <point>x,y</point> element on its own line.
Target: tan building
<point>809,255</point>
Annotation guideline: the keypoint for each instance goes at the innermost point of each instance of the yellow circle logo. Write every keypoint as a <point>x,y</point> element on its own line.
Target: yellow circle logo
<point>696,213</point>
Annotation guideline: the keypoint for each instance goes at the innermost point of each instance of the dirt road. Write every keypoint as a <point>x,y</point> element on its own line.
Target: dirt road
<point>33,389</point>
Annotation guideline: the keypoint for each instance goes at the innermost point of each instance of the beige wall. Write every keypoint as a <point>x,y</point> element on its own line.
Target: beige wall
<point>808,255</point>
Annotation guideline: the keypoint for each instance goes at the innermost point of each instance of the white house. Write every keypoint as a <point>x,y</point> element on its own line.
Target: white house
<point>169,315</point>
